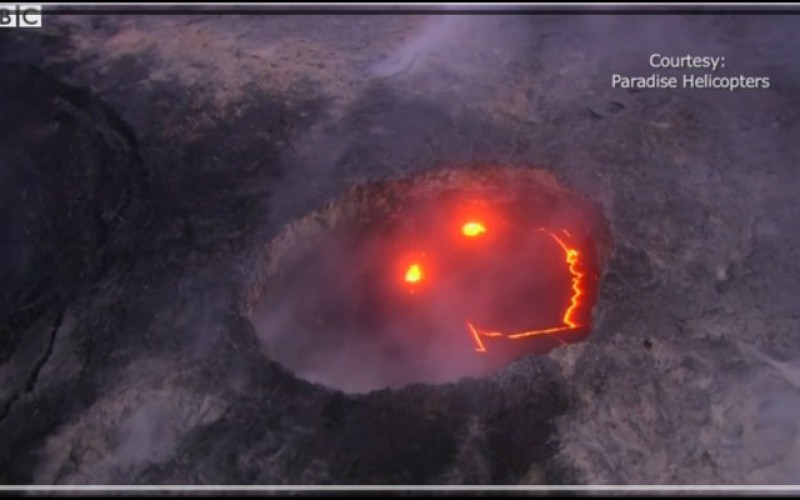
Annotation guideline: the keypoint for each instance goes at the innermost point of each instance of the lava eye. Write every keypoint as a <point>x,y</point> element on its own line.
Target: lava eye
<point>472,229</point>
<point>414,273</point>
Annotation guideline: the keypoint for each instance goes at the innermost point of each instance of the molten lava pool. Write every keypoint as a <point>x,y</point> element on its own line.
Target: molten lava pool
<point>431,279</point>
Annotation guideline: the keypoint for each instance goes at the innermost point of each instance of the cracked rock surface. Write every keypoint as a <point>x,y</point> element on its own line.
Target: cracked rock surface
<point>148,160</point>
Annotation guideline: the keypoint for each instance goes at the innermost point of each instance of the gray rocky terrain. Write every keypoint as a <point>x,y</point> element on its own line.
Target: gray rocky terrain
<point>147,160</point>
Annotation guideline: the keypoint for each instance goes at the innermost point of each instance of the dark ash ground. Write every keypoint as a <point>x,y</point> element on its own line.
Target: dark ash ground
<point>146,161</point>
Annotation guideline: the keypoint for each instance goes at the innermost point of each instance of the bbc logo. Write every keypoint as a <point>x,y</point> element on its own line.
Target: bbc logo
<point>20,16</point>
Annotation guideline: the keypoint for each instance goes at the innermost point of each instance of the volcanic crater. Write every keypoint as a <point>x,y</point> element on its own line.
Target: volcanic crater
<point>431,278</point>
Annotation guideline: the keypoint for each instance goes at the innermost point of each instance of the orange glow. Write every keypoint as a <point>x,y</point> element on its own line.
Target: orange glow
<point>414,273</point>
<point>571,257</point>
<point>472,229</point>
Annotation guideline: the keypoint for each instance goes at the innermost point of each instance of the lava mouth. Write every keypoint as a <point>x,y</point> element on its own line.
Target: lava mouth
<point>571,312</point>
<point>432,278</point>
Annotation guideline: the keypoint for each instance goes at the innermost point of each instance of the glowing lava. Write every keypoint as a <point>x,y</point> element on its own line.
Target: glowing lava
<point>571,257</point>
<point>473,229</point>
<point>414,273</point>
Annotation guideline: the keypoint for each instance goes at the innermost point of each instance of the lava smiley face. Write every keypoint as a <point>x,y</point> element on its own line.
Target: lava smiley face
<point>516,286</point>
